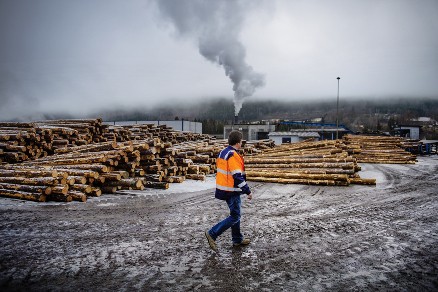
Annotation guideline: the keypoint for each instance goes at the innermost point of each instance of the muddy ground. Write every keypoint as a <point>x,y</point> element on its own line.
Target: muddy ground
<point>361,238</point>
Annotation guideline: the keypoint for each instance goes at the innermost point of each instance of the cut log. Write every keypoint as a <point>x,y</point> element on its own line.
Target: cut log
<point>59,198</point>
<point>16,125</point>
<point>108,190</point>
<point>177,179</point>
<point>27,188</point>
<point>67,181</point>
<point>79,172</point>
<point>42,181</point>
<point>138,172</point>
<point>363,181</point>
<point>17,148</point>
<point>168,179</point>
<point>153,177</point>
<point>4,137</point>
<point>22,195</point>
<point>60,189</point>
<point>255,160</point>
<point>112,176</point>
<point>293,181</point>
<point>348,165</point>
<point>124,174</point>
<point>89,148</point>
<point>195,176</point>
<point>303,176</point>
<point>133,183</point>
<point>193,169</point>
<point>303,170</point>
<point>77,179</point>
<point>157,185</point>
<point>95,192</point>
<point>81,188</point>
<point>100,168</point>
<point>77,196</point>
<point>205,168</point>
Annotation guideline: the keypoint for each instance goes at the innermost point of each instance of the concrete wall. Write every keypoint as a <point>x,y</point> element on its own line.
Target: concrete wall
<point>277,140</point>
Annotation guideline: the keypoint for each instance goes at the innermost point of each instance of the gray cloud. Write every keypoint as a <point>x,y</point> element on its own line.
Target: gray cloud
<point>216,26</point>
<point>87,55</point>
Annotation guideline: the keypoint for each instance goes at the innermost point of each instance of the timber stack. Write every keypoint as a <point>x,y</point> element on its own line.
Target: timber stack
<point>65,160</point>
<point>27,141</point>
<point>308,162</point>
<point>379,149</point>
<point>20,142</point>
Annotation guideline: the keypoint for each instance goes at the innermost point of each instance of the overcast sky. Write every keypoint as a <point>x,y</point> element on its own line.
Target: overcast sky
<point>84,55</point>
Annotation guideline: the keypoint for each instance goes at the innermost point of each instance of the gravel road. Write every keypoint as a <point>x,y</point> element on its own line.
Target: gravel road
<point>304,238</point>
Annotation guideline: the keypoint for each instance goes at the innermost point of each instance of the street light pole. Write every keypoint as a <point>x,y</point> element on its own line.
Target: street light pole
<point>337,112</point>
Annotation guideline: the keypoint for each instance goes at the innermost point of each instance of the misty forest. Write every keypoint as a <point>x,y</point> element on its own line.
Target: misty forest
<point>362,116</point>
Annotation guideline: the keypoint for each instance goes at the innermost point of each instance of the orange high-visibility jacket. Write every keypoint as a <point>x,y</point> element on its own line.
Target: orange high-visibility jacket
<point>230,176</point>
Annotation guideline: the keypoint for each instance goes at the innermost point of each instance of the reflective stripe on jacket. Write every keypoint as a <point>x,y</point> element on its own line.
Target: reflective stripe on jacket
<point>230,176</point>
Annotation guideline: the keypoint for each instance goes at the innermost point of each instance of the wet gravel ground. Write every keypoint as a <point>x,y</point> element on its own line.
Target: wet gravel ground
<point>358,238</point>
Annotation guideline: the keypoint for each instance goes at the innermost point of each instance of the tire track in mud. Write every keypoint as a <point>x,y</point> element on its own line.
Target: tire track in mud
<point>304,238</point>
<point>349,224</point>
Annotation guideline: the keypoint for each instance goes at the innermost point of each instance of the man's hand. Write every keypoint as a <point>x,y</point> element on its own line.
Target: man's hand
<point>249,196</point>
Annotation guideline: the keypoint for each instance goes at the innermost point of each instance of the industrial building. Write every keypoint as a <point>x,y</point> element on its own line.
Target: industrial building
<point>408,131</point>
<point>298,135</point>
<point>268,131</point>
<point>250,131</point>
<point>293,136</point>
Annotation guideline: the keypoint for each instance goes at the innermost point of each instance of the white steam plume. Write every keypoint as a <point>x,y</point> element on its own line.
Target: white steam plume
<point>215,25</point>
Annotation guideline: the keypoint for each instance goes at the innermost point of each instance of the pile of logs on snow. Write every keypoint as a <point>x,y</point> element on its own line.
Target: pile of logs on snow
<point>77,159</point>
<point>23,141</point>
<point>329,162</point>
<point>379,149</point>
<point>65,160</point>
<point>316,163</point>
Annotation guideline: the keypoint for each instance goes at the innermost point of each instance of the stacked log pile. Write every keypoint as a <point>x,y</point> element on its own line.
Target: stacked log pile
<point>317,163</point>
<point>257,147</point>
<point>27,141</point>
<point>37,183</point>
<point>83,171</point>
<point>172,156</point>
<point>83,158</point>
<point>66,160</point>
<point>20,142</point>
<point>379,149</point>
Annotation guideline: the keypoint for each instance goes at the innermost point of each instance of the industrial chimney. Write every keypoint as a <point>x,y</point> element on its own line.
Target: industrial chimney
<point>236,118</point>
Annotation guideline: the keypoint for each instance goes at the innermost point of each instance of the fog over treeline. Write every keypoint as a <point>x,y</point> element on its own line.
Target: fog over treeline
<point>83,56</point>
<point>360,115</point>
<point>222,109</point>
<point>255,110</point>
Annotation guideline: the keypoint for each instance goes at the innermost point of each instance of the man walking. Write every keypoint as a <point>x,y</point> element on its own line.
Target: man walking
<point>230,184</point>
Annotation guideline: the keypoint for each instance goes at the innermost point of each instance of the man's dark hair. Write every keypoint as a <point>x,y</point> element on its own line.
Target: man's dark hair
<point>235,137</point>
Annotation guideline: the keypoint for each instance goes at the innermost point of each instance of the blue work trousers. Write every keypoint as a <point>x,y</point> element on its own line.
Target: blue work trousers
<point>233,221</point>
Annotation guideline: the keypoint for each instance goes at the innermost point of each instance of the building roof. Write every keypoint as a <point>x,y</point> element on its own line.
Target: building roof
<point>301,134</point>
<point>410,126</point>
<point>428,141</point>
<point>324,129</point>
<point>250,125</point>
<point>424,119</point>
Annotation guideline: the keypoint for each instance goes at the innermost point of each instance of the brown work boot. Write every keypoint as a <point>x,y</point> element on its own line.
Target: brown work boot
<point>211,241</point>
<point>246,241</point>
